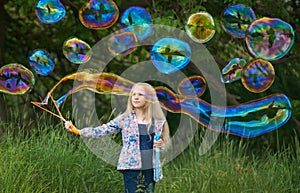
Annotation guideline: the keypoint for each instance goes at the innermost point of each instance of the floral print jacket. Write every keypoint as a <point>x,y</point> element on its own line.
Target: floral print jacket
<point>130,156</point>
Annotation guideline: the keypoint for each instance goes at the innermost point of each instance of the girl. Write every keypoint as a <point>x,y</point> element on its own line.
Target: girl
<point>139,125</point>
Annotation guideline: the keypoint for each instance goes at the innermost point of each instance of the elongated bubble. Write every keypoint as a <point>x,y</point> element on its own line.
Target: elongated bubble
<point>50,11</point>
<point>233,70</point>
<point>246,120</point>
<point>99,14</point>
<point>123,43</point>
<point>76,50</point>
<point>170,54</point>
<point>258,76</point>
<point>236,19</point>
<point>137,20</point>
<point>41,62</point>
<point>200,27</point>
<point>270,38</point>
<point>16,79</point>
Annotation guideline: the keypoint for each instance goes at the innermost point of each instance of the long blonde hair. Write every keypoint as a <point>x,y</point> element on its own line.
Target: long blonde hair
<point>152,108</point>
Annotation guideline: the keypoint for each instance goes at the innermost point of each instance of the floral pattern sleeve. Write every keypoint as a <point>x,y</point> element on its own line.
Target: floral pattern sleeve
<point>100,131</point>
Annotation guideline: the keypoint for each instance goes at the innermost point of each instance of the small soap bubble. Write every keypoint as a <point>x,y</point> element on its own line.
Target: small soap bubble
<point>50,11</point>
<point>258,76</point>
<point>236,19</point>
<point>76,50</point>
<point>233,70</point>
<point>41,62</point>
<point>137,20</point>
<point>99,14</point>
<point>170,54</point>
<point>193,86</point>
<point>123,43</point>
<point>200,27</point>
<point>270,38</point>
<point>16,79</point>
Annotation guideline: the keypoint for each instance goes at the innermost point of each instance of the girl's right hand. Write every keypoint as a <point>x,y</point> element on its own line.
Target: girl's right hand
<point>71,128</point>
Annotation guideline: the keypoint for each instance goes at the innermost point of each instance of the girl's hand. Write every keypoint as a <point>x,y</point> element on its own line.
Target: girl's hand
<point>71,128</point>
<point>158,143</point>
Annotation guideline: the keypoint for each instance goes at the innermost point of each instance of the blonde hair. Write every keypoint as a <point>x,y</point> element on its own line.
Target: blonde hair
<point>152,108</point>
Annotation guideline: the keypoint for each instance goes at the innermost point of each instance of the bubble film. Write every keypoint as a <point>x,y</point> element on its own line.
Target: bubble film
<point>258,76</point>
<point>233,70</point>
<point>41,62</point>
<point>76,50</point>
<point>16,79</point>
<point>236,19</point>
<point>200,27</point>
<point>270,38</point>
<point>246,120</point>
<point>192,86</point>
<point>123,43</point>
<point>137,20</point>
<point>99,14</point>
<point>169,55</point>
<point>50,11</point>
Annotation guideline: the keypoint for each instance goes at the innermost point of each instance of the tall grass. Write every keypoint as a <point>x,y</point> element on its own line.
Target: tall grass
<point>48,159</point>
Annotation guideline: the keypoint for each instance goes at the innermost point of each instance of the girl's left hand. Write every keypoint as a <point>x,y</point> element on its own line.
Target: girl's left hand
<point>158,143</point>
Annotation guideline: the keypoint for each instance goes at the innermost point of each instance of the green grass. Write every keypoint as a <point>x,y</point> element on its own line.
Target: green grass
<point>48,160</point>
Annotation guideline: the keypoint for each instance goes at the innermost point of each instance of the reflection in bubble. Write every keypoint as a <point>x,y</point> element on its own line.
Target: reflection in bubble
<point>169,55</point>
<point>50,11</point>
<point>247,120</point>
<point>99,14</point>
<point>41,62</point>
<point>137,20</point>
<point>270,38</point>
<point>200,27</point>
<point>192,86</point>
<point>123,43</point>
<point>233,70</point>
<point>16,79</point>
<point>258,76</point>
<point>236,19</point>
<point>77,51</point>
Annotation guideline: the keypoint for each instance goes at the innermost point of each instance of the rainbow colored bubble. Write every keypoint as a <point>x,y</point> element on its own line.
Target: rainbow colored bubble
<point>170,54</point>
<point>258,76</point>
<point>50,11</point>
<point>236,19</point>
<point>76,50</point>
<point>250,119</point>
<point>16,79</point>
<point>270,38</point>
<point>193,86</point>
<point>41,62</point>
<point>200,27</point>
<point>99,14</point>
<point>137,20</point>
<point>233,70</point>
<point>123,43</point>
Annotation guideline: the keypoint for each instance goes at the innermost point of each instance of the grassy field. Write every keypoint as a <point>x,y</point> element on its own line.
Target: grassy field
<point>48,159</point>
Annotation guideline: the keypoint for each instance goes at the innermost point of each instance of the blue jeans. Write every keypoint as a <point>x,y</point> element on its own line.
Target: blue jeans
<point>138,180</point>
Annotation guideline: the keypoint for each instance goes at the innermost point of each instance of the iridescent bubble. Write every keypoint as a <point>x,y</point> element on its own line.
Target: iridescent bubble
<point>200,27</point>
<point>137,20</point>
<point>250,119</point>
<point>123,43</point>
<point>41,62</point>
<point>77,51</point>
<point>99,14</point>
<point>270,38</point>
<point>192,86</point>
<point>233,70</point>
<point>169,55</point>
<point>236,19</point>
<point>50,11</point>
<point>258,76</point>
<point>16,79</point>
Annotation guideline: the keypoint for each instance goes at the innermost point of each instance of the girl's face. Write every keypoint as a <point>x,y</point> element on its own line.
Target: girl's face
<point>138,98</point>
